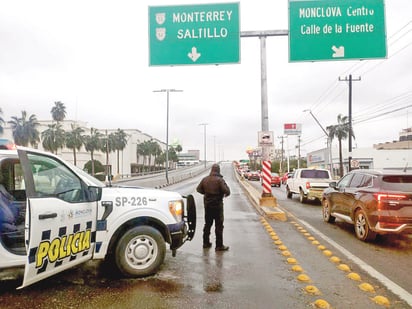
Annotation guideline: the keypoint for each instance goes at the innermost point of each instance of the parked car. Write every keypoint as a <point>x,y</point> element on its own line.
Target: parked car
<point>275,180</point>
<point>285,177</point>
<point>6,144</point>
<point>253,175</point>
<point>375,202</point>
<point>246,174</point>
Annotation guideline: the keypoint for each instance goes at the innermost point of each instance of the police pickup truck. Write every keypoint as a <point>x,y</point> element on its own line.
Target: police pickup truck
<point>54,216</point>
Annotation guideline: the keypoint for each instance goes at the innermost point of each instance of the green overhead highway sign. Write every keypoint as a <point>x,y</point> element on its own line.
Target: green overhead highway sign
<point>194,34</point>
<point>336,30</point>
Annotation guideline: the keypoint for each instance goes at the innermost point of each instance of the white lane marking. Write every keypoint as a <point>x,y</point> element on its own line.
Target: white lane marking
<point>402,293</point>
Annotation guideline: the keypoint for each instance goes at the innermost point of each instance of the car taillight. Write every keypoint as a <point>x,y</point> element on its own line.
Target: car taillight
<point>390,199</point>
<point>308,185</point>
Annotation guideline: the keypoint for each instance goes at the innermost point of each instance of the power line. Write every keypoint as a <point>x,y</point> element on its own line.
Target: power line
<point>385,113</point>
<point>357,66</point>
<point>405,97</point>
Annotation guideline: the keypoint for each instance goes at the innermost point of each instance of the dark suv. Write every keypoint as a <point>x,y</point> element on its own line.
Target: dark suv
<point>375,202</point>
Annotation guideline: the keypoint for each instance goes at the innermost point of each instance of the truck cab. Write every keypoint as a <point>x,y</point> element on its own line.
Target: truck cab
<point>54,216</point>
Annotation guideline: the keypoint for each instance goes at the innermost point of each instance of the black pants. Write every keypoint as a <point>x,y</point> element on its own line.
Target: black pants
<point>214,213</point>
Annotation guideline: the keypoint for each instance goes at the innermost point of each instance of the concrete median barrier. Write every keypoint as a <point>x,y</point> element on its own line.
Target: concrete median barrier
<point>265,206</point>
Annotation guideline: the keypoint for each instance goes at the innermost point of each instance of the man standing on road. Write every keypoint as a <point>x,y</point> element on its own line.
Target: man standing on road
<point>213,188</point>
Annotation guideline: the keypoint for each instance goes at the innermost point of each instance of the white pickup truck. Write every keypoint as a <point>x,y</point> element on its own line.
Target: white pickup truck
<point>54,216</point>
<point>308,183</point>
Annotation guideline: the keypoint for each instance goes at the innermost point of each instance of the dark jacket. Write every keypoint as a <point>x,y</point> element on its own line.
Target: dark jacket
<point>213,187</point>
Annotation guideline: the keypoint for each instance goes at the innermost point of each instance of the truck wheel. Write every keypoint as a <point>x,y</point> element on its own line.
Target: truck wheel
<point>140,251</point>
<point>327,217</point>
<point>288,193</point>
<point>362,229</point>
<point>302,197</point>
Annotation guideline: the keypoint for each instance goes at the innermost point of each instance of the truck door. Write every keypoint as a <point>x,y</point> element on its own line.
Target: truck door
<point>60,217</point>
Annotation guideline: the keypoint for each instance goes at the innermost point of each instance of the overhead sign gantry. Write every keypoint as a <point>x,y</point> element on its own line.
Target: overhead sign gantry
<point>336,30</point>
<point>194,34</point>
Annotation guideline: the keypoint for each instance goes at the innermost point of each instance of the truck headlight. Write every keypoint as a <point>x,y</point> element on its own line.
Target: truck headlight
<point>176,209</point>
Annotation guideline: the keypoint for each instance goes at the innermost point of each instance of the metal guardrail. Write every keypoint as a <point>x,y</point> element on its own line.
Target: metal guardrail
<point>158,180</point>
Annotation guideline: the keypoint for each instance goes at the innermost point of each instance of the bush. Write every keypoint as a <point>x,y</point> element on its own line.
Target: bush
<point>99,170</point>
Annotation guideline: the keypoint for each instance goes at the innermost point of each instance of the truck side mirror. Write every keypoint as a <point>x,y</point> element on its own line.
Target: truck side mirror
<point>95,193</point>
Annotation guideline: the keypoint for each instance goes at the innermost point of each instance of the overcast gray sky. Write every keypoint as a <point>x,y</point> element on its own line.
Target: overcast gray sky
<point>93,56</point>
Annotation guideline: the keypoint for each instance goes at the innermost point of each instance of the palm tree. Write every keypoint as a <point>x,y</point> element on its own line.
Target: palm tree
<point>120,142</point>
<point>53,138</point>
<point>1,121</point>
<point>144,149</point>
<point>138,154</point>
<point>158,152</point>
<point>161,158</point>
<point>178,148</point>
<point>141,151</point>
<point>58,111</point>
<point>92,143</point>
<point>172,155</point>
<point>153,149</point>
<point>25,130</point>
<point>74,140</point>
<point>341,132</point>
<point>107,147</point>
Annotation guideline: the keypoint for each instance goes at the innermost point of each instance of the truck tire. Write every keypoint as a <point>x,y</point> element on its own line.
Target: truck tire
<point>288,192</point>
<point>302,197</point>
<point>140,251</point>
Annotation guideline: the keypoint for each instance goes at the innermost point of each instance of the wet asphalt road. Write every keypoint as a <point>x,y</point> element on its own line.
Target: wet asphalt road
<point>254,273</point>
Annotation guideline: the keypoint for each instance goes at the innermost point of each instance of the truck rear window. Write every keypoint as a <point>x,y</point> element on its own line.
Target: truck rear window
<point>314,174</point>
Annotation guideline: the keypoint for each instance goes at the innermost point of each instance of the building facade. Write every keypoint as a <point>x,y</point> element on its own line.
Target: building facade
<point>391,155</point>
<point>128,158</point>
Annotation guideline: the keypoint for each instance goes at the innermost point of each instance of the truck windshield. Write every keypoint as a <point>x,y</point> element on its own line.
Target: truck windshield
<point>92,181</point>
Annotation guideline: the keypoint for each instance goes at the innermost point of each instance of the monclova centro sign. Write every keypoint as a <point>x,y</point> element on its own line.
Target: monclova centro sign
<point>336,30</point>
<point>194,34</point>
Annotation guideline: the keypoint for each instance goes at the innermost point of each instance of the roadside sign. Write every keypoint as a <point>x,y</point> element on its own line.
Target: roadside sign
<point>265,138</point>
<point>292,128</point>
<point>194,34</point>
<point>336,30</point>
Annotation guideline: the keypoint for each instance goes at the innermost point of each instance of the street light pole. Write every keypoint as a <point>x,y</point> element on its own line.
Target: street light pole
<point>328,141</point>
<point>167,128</point>
<point>204,137</point>
<point>214,149</point>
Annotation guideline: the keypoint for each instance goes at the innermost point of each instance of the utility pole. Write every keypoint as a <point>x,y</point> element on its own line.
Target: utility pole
<point>267,197</point>
<point>281,155</point>
<point>299,151</point>
<point>350,80</point>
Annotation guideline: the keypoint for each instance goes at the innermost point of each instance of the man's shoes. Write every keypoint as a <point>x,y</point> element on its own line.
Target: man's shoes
<point>222,248</point>
<point>207,245</point>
